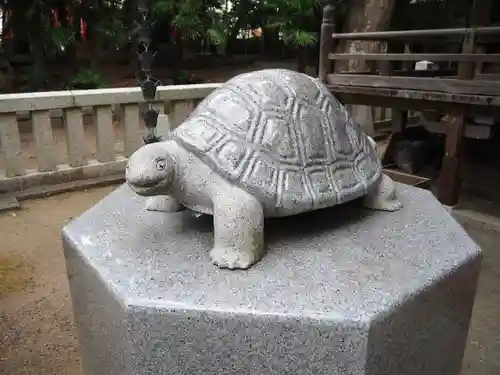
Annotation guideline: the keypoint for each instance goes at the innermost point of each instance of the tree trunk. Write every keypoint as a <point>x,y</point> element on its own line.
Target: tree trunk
<point>364,16</point>
<point>133,47</point>
<point>92,43</point>
<point>179,43</point>
<point>37,48</point>
<point>301,59</point>
<point>39,63</point>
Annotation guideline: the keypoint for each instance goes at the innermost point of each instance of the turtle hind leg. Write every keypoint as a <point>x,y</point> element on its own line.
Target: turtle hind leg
<point>163,203</point>
<point>238,228</point>
<point>383,196</point>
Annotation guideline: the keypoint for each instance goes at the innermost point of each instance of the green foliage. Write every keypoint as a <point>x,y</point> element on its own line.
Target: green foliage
<point>31,21</point>
<point>214,23</point>
<point>29,80</point>
<point>113,33</point>
<point>88,79</point>
<point>58,39</point>
<point>185,16</point>
<point>217,37</point>
<point>293,20</point>
<point>194,20</point>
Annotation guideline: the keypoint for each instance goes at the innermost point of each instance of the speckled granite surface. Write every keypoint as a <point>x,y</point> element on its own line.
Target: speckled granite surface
<point>341,291</point>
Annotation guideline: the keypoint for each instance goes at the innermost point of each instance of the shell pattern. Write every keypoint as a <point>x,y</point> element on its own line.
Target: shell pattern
<point>284,138</point>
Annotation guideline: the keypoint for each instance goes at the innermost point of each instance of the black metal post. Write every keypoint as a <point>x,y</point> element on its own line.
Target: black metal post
<point>148,84</point>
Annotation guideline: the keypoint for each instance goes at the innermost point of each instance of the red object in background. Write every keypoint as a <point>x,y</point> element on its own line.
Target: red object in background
<point>54,22</point>
<point>83,29</point>
<point>53,18</point>
<point>69,18</point>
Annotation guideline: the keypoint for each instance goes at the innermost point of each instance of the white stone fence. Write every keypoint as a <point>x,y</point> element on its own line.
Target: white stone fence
<point>179,101</point>
<point>174,101</point>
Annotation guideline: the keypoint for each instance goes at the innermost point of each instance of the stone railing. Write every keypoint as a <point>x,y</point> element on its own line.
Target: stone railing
<point>106,104</point>
<point>29,166</point>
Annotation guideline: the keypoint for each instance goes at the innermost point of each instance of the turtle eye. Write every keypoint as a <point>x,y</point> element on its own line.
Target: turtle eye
<point>160,165</point>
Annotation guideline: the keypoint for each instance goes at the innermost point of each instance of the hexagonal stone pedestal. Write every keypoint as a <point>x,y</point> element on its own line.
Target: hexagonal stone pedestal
<point>340,291</point>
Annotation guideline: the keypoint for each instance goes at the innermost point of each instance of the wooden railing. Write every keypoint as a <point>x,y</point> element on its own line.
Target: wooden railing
<point>174,101</point>
<point>460,92</point>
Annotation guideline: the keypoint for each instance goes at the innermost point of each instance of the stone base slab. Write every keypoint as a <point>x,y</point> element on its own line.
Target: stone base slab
<point>340,291</point>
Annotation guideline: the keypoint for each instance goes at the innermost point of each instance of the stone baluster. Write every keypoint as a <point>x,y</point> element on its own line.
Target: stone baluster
<point>132,131</point>
<point>180,112</point>
<point>75,137</point>
<point>44,140</point>
<point>105,134</point>
<point>10,144</point>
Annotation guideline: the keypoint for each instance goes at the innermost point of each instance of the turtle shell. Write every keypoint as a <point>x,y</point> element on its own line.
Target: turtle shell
<point>284,138</point>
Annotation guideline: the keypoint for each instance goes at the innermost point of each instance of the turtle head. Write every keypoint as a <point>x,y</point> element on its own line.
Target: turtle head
<point>151,170</point>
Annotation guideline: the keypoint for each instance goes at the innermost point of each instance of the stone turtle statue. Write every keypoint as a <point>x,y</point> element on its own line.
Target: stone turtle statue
<point>268,143</point>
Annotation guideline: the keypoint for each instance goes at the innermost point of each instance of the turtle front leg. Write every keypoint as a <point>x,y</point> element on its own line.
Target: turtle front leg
<point>163,203</point>
<point>238,229</point>
<point>383,196</point>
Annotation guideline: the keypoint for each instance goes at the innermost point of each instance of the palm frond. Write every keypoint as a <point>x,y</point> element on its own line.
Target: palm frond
<point>216,36</point>
<point>60,37</point>
<point>300,38</point>
<point>188,27</point>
